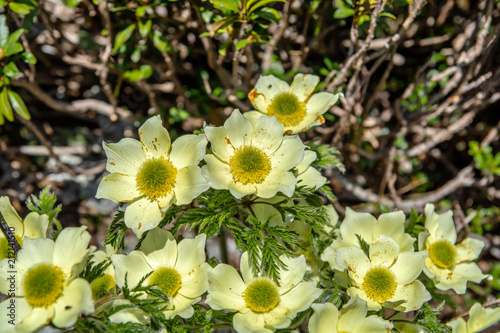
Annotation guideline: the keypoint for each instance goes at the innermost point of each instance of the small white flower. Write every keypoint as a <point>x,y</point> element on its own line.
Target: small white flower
<point>151,174</point>
<point>261,305</point>
<point>252,159</point>
<point>179,270</point>
<point>448,265</point>
<point>351,319</point>
<point>387,277</point>
<point>47,288</point>
<point>34,226</point>
<point>293,105</point>
<point>479,319</point>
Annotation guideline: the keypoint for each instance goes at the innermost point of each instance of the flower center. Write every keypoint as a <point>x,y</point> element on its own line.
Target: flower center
<point>167,279</point>
<point>442,254</point>
<point>156,178</point>
<point>287,108</point>
<point>261,295</point>
<point>249,165</point>
<point>5,250</point>
<point>101,286</point>
<point>43,284</point>
<point>379,284</point>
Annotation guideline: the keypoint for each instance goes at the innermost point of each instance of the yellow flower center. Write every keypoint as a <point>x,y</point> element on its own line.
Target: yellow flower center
<point>101,286</point>
<point>249,165</point>
<point>442,254</point>
<point>156,178</point>
<point>287,108</point>
<point>261,295</point>
<point>167,279</point>
<point>5,250</point>
<point>43,284</point>
<point>379,284</point>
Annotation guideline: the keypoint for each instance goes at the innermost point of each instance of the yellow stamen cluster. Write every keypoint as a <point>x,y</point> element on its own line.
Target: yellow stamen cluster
<point>379,284</point>
<point>287,108</point>
<point>156,178</point>
<point>167,279</point>
<point>442,254</point>
<point>43,284</point>
<point>101,286</point>
<point>261,295</point>
<point>249,165</point>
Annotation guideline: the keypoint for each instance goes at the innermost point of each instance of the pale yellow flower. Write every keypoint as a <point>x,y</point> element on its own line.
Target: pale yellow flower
<point>387,277</point>
<point>307,175</point>
<point>151,174</point>
<point>252,159</point>
<point>43,282</point>
<point>479,319</point>
<point>369,229</point>
<point>261,305</point>
<point>179,270</point>
<point>34,226</point>
<point>448,265</point>
<point>293,105</point>
<point>351,319</point>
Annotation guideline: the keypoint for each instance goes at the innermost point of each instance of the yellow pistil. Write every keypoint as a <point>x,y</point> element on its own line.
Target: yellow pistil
<point>156,178</point>
<point>249,165</point>
<point>101,286</point>
<point>167,279</point>
<point>261,295</point>
<point>442,254</point>
<point>43,284</point>
<point>287,108</point>
<point>379,284</point>
<point>5,250</point>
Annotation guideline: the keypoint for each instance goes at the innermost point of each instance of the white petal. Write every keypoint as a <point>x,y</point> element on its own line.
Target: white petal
<point>300,297</point>
<point>372,306</point>
<point>165,257</point>
<point>355,261</point>
<point>195,283</point>
<point>14,310</point>
<point>393,224</point>
<point>250,322</point>
<point>266,87</point>
<point>277,181</point>
<point>133,265</point>
<point>362,224</point>
<point>321,102</point>
<point>118,187</point>
<point>155,139</point>
<point>293,274</point>
<point>303,85</point>
<point>75,300</point>
<point>440,226</point>
<point>373,324</point>
<point>238,190</point>
<point>384,251</point>
<point>70,248</point>
<point>156,240</point>
<point>128,315</point>
<point>219,142</point>
<point>35,251</point>
<point>36,319</point>
<point>457,279</point>
<point>311,178</point>
<point>482,318</point>
<point>352,314</point>
<point>469,249</point>
<point>191,253</point>
<point>309,157</point>
<point>189,184</point>
<point>217,173</point>
<point>142,215</point>
<point>253,116</point>
<point>324,319</point>
<point>124,157</point>
<point>182,307</point>
<point>239,129</point>
<point>247,270</point>
<point>188,150</point>
<point>458,326</point>
<point>414,295</point>
<point>267,134</point>
<point>289,154</point>
<point>10,216</point>
<point>225,289</point>
<point>409,266</point>
<point>35,225</point>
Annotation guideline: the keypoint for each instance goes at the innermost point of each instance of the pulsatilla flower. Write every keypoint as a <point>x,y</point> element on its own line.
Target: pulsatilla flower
<point>385,277</point>
<point>479,319</point>
<point>152,174</point>
<point>252,159</point>
<point>47,288</point>
<point>295,105</point>
<point>448,265</point>
<point>261,305</point>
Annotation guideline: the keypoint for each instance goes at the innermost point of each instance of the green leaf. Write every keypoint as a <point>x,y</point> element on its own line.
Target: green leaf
<point>222,23</point>
<point>269,14</point>
<point>72,3</point>
<point>343,12</point>
<point>20,8</point>
<point>387,14</point>
<point>242,43</point>
<point>141,10</point>
<point>231,5</point>
<point>11,70</point>
<point>29,58</point>
<point>5,108</point>
<point>160,42</point>
<point>4,32</point>
<point>251,7</point>
<point>136,55</point>
<point>18,105</point>
<point>139,74</point>
<point>123,36</point>
<point>11,46</point>
<point>145,28</point>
